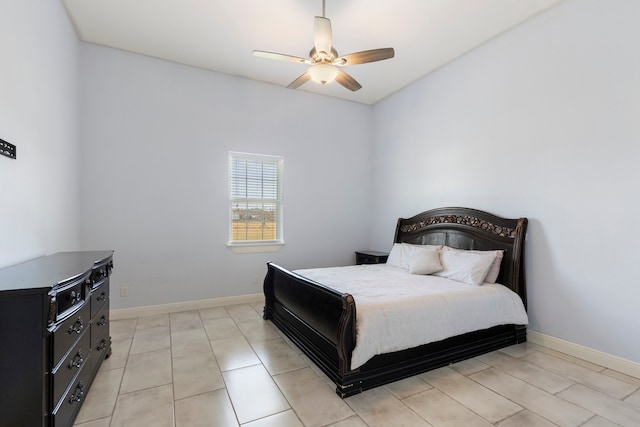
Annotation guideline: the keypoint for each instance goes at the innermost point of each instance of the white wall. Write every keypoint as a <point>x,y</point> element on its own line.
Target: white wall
<point>155,142</point>
<point>38,94</point>
<point>541,122</point>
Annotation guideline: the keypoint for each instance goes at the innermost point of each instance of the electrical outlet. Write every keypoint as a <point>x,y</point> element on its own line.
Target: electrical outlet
<point>256,280</point>
<point>124,292</point>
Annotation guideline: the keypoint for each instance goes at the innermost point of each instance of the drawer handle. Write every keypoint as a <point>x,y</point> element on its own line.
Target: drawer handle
<point>102,321</point>
<point>77,360</point>
<point>102,346</point>
<point>74,297</point>
<point>77,327</point>
<point>77,394</point>
<point>102,296</point>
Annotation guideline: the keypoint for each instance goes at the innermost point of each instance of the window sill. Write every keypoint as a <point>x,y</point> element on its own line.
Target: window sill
<point>255,248</point>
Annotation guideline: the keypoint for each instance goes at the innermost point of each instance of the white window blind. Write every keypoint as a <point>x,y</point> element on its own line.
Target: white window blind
<point>255,198</point>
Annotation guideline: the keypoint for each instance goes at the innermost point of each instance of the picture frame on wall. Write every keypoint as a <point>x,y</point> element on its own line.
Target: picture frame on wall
<point>7,149</point>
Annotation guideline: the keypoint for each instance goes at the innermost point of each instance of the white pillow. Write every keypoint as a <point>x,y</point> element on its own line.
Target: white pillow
<point>494,270</point>
<point>401,253</point>
<point>395,255</point>
<point>465,266</point>
<point>425,263</point>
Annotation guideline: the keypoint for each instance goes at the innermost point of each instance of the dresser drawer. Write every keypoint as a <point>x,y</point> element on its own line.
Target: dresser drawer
<point>67,297</point>
<point>101,272</point>
<point>100,324</point>
<point>66,409</point>
<point>99,295</point>
<point>68,332</point>
<point>100,349</point>
<point>70,365</point>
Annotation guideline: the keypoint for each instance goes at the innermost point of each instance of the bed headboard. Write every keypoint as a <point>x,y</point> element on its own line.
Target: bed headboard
<point>465,228</point>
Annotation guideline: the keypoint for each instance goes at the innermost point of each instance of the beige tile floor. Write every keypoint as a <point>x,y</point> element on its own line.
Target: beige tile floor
<point>226,366</point>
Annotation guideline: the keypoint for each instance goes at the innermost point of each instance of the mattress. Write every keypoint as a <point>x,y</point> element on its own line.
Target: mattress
<point>396,310</point>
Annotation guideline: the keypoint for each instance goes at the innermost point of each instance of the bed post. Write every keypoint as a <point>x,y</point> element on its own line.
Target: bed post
<point>269,297</point>
<point>396,236</point>
<point>517,273</point>
<point>346,333</point>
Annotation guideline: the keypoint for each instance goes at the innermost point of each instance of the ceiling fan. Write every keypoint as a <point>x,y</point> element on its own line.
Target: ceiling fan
<point>324,60</point>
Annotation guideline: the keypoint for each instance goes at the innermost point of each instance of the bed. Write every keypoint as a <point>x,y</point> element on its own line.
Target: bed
<point>321,320</point>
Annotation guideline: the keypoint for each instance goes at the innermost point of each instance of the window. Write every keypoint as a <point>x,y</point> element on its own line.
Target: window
<point>255,200</point>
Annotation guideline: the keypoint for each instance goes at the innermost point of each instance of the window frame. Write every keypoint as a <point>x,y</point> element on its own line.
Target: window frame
<point>255,246</point>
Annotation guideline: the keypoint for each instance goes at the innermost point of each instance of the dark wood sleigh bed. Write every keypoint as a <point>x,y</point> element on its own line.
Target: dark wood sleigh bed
<point>322,321</point>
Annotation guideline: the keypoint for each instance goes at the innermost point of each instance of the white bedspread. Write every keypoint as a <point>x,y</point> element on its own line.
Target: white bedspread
<point>396,310</point>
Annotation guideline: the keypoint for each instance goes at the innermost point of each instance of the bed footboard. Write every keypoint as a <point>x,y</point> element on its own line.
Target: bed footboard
<point>320,320</point>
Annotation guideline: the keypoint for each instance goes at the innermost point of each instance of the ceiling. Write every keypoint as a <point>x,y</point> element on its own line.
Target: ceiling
<point>220,35</point>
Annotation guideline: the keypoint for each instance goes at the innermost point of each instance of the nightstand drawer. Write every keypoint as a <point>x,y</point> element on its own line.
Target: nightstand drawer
<point>371,257</point>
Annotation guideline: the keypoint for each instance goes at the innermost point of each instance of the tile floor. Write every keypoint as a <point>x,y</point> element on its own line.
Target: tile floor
<point>225,366</point>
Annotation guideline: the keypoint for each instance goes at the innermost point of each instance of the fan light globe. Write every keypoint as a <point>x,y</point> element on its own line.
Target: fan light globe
<point>323,73</point>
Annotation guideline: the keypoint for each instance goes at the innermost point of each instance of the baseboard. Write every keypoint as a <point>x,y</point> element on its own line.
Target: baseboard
<point>585,353</point>
<point>130,313</point>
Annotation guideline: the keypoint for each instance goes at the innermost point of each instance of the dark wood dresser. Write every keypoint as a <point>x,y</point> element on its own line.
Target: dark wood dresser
<point>54,334</point>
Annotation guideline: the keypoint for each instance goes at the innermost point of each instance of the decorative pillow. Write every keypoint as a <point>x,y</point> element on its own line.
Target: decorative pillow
<point>425,263</point>
<point>401,253</point>
<point>465,266</point>
<point>494,270</point>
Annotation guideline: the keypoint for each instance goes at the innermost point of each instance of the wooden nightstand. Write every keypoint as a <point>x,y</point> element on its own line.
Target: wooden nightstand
<point>371,257</point>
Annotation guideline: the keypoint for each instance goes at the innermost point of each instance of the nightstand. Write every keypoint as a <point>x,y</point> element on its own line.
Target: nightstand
<point>371,257</point>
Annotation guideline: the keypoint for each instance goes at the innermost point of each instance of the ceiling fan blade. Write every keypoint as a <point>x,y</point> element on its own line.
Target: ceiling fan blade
<point>322,34</point>
<point>347,81</point>
<point>299,81</point>
<point>280,57</point>
<point>365,56</point>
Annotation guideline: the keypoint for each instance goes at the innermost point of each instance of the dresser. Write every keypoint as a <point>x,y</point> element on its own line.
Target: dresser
<point>54,334</point>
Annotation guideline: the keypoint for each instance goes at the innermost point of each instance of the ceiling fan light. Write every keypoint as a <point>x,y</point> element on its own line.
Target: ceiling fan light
<point>323,73</point>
